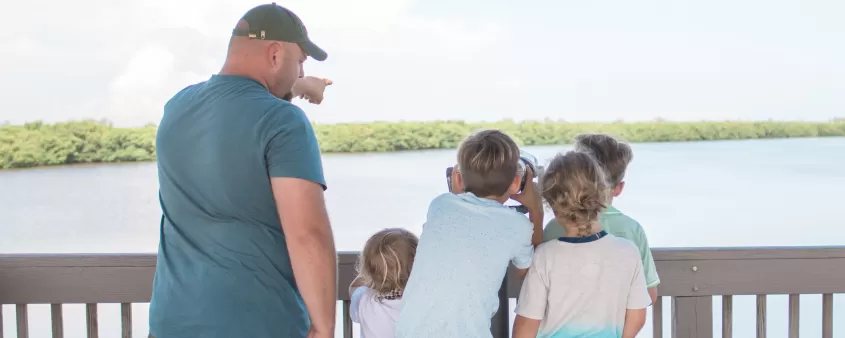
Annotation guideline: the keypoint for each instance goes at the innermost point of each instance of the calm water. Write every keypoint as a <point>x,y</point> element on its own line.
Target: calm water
<point>726,193</point>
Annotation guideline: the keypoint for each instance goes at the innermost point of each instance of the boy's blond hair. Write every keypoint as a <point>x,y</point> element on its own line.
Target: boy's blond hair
<point>576,188</point>
<point>488,162</point>
<point>614,155</point>
<point>385,263</point>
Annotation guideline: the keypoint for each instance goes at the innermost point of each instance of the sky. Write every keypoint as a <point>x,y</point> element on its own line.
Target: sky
<point>474,60</point>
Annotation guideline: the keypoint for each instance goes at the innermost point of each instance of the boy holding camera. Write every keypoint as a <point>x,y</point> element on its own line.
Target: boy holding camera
<point>468,240</point>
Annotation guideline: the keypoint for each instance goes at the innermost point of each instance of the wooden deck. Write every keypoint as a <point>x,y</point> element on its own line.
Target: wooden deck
<point>690,278</point>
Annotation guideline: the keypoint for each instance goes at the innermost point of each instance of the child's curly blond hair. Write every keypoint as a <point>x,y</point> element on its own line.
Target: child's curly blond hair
<point>385,263</point>
<point>576,188</point>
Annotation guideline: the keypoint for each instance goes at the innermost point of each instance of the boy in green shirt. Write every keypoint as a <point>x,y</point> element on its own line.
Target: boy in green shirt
<point>615,157</point>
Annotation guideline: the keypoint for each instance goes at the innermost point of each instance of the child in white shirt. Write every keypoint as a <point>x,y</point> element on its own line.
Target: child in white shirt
<point>588,283</point>
<point>383,269</point>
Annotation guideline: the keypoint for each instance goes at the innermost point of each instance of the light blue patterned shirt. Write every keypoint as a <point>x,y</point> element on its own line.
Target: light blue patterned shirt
<point>462,257</point>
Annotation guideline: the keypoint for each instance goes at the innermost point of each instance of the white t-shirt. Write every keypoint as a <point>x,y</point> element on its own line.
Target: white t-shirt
<point>583,289</point>
<point>377,318</point>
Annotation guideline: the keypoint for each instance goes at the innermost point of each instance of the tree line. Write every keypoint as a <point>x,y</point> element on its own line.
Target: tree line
<point>42,144</point>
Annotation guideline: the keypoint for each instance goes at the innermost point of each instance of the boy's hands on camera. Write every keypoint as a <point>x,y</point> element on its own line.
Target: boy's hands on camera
<point>531,199</point>
<point>530,195</point>
<point>457,185</point>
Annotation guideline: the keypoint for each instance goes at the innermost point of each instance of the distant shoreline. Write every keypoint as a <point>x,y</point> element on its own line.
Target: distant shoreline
<point>39,144</point>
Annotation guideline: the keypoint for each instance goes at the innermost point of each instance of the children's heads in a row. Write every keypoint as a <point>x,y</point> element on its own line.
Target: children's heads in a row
<point>579,184</point>
<point>385,263</point>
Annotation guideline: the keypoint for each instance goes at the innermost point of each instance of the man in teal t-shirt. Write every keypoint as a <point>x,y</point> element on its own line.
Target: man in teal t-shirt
<point>246,248</point>
<point>615,157</point>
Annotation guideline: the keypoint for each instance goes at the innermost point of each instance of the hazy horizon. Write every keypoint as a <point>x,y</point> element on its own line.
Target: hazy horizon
<point>654,120</point>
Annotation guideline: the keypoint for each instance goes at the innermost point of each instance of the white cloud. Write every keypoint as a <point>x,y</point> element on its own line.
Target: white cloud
<point>148,69</point>
<point>415,59</point>
<point>143,52</point>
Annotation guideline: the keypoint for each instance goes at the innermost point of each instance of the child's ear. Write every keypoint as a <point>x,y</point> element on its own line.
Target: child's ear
<point>618,189</point>
<point>514,188</point>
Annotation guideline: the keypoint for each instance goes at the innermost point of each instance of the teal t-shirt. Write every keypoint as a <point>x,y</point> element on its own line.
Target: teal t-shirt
<point>620,225</point>
<point>223,267</point>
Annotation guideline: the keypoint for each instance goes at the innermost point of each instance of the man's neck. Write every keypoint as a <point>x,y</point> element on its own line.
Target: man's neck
<point>235,68</point>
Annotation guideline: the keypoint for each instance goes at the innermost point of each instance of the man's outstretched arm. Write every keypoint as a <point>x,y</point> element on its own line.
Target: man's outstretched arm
<point>308,234</point>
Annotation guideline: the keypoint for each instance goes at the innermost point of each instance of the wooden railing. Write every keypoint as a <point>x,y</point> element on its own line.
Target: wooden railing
<point>691,277</point>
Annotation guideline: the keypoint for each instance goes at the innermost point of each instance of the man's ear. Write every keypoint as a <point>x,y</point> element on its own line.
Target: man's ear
<point>275,54</point>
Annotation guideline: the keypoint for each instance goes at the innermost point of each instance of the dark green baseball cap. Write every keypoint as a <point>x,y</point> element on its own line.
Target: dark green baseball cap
<point>274,22</point>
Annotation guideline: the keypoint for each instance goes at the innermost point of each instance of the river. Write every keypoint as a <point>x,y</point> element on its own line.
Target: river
<point>717,193</point>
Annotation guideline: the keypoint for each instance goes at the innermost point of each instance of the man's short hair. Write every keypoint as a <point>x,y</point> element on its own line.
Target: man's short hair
<point>614,155</point>
<point>488,161</point>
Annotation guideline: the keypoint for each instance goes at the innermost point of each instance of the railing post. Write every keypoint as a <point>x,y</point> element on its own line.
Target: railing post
<point>500,327</point>
<point>692,317</point>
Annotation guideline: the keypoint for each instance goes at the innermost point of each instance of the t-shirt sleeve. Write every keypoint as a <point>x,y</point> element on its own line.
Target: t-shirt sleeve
<point>524,251</point>
<point>293,150</point>
<point>638,297</point>
<point>534,295</point>
<point>355,303</point>
<point>649,268</point>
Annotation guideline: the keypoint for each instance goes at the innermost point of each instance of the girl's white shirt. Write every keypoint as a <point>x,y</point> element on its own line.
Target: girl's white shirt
<point>377,318</point>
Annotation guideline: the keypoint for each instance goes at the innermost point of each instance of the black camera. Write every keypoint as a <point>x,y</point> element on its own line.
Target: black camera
<point>526,161</point>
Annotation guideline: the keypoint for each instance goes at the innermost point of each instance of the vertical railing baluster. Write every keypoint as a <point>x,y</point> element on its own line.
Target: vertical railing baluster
<point>827,315</point>
<point>91,319</point>
<point>347,319</point>
<point>794,309</point>
<point>761,316</point>
<point>727,316</point>
<point>22,320</point>
<point>1,320</point>
<point>126,320</point>
<point>57,320</point>
<point>657,317</point>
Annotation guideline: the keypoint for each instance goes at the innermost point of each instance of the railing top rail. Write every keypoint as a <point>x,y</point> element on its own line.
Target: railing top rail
<point>746,253</point>
<point>124,278</point>
<point>349,257</point>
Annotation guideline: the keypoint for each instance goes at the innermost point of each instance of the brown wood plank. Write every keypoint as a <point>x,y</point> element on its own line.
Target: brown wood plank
<point>22,316</point>
<point>741,277</point>
<point>91,326</point>
<point>83,282</point>
<point>128,260</point>
<point>657,318</point>
<point>794,315</point>
<point>57,320</point>
<point>347,319</point>
<point>732,253</point>
<point>126,320</point>
<point>345,273</point>
<point>827,316</point>
<point>727,316</point>
<point>692,317</point>
<point>127,278</point>
<point>761,316</point>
